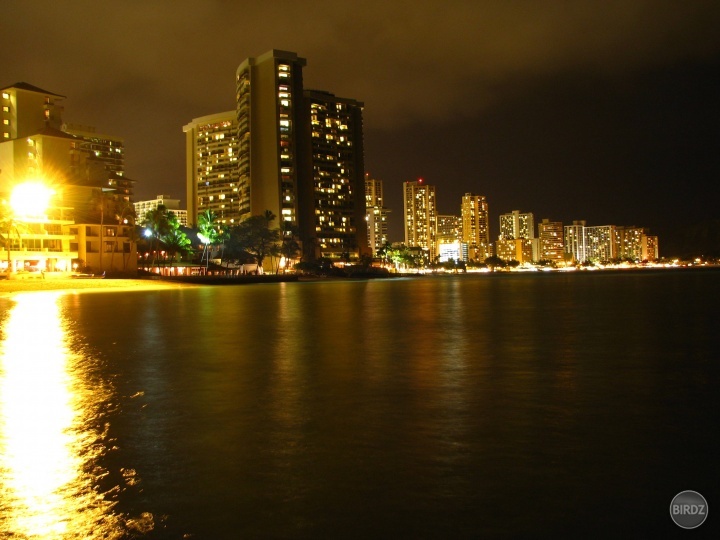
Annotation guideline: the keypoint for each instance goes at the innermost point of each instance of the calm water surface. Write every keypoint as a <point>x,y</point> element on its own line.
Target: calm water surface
<point>453,407</point>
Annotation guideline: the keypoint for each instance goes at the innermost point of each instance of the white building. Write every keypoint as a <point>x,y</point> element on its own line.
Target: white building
<point>143,207</point>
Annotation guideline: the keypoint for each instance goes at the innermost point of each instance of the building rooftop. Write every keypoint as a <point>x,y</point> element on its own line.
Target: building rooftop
<point>30,88</point>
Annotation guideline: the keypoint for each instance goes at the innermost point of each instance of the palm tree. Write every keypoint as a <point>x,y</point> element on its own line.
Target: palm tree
<point>175,241</point>
<point>156,226</point>
<point>210,230</point>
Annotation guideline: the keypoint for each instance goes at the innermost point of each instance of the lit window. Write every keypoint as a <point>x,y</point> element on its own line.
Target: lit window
<point>6,95</point>
<point>6,109</point>
<point>6,122</point>
<point>6,135</point>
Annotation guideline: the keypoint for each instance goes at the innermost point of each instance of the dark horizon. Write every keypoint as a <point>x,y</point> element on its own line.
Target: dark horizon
<point>601,111</point>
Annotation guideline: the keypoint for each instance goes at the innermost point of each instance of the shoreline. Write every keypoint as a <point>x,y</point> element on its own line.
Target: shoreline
<point>12,287</point>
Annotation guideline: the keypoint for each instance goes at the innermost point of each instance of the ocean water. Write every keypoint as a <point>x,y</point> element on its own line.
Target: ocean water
<point>470,406</point>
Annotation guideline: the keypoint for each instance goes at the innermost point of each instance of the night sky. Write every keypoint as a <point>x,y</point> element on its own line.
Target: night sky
<point>606,111</point>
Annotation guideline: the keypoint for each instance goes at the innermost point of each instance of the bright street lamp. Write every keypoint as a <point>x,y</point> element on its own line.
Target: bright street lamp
<point>31,200</point>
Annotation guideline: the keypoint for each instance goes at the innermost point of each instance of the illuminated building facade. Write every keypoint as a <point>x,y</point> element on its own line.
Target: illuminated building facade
<point>634,243</point>
<point>143,207</point>
<point>600,243</point>
<point>272,139</point>
<point>448,229</point>
<point>515,249</point>
<point>211,167</point>
<point>449,238</point>
<point>338,178</point>
<point>650,248</point>
<point>476,226</point>
<point>516,225</point>
<point>575,249</point>
<point>104,148</point>
<point>552,244</point>
<point>376,213</point>
<point>420,213</point>
<point>84,169</point>
<point>36,143</point>
<point>107,154</point>
<point>27,109</point>
<point>296,153</point>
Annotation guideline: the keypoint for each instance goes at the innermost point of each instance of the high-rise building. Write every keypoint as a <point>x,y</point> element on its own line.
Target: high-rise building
<point>376,213</point>
<point>420,213</point>
<point>521,250</point>
<point>650,248</point>
<point>296,153</point>
<point>449,238</point>
<point>173,205</point>
<point>211,167</point>
<point>27,110</point>
<point>105,148</point>
<point>336,216</point>
<point>600,243</point>
<point>84,170</point>
<point>575,248</point>
<point>629,242</point>
<point>272,150</point>
<point>516,225</point>
<point>34,145</point>
<point>448,229</point>
<point>516,240</point>
<point>106,155</point>
<point>552,245</point>
<point>476,226</point>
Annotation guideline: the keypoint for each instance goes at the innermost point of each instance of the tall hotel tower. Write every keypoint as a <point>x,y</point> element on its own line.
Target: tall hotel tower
<point>211,151</point>
<point>295,152</point>
<point>420,212</point>
<point>552,244</point>
<point>376,213</point>
<point>476,226</point>
<point>335,217</point>
<point>269,94</point>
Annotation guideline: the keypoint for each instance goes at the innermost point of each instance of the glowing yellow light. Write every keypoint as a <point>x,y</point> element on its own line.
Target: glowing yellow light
<point>31,199</point>
<point>46,450</point>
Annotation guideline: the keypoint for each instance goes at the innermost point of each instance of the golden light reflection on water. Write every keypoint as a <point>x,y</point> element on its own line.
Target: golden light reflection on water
<point>48,447</point>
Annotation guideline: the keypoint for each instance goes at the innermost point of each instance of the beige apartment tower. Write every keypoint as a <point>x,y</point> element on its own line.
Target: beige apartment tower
<point>271,147</point>
<point>211,151</point>
<point>376,213</point>
<point>476,226</point>
<point>420,213</point>
<point>552,244</point>
<point>296,153</point>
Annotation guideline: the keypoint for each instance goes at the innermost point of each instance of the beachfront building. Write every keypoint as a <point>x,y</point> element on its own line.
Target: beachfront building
<point>76,175</point>
<point>552,245</point>
<point>171,204</point>
<point>420,216</point>
<point>376,213</point>
<point>476,226</point>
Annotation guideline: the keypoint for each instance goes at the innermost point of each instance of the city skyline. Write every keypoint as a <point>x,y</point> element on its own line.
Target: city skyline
<point>599,111</point>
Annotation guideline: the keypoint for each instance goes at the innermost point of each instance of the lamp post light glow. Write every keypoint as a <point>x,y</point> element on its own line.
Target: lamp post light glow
<point>206,242</point>
<point>31,200</point>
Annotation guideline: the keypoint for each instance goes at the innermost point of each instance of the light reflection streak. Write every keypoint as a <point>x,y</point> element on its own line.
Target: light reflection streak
<point>48,450</point>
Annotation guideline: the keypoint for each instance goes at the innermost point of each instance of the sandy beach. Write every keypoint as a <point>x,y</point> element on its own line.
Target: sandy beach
<point>9,287</point>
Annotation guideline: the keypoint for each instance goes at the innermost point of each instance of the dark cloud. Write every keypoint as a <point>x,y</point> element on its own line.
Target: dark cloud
<point>497,97</point>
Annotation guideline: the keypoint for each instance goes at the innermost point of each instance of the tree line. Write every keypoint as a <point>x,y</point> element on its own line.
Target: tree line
<point>253,240</point>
